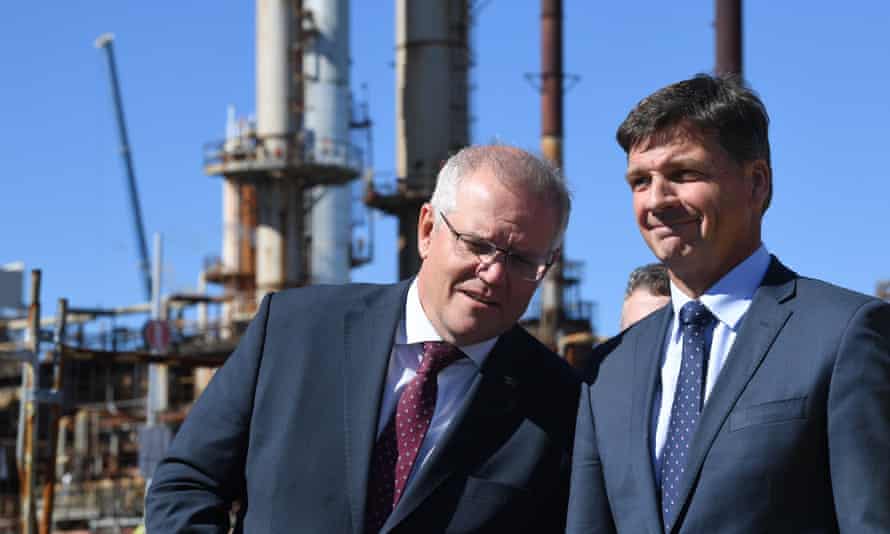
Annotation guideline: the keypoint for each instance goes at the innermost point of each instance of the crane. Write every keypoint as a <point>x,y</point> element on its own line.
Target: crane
<point>106,41</point>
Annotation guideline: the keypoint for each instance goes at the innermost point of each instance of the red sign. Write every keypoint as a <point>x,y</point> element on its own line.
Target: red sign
<point>156,334</point>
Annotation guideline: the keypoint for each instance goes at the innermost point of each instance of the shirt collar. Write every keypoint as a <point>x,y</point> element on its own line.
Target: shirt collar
<point>730,297</point>
<point>415,327</point>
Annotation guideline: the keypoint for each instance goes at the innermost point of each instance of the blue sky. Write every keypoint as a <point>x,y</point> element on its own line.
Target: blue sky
<point>821,68</point>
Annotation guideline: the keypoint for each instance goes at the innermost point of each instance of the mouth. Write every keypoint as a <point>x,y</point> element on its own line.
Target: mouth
<point>480,298</point>
<point>671,225</point>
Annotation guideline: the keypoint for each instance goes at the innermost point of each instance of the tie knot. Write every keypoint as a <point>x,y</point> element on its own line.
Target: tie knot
<point>438,355</point>
<point>695,313</point>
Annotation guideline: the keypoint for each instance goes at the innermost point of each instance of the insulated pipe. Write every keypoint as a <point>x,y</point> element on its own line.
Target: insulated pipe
<point>278,198</point>
<point>326,121</point>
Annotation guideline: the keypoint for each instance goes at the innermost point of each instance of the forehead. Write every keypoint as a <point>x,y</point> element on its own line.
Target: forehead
<point>508,213</point>
<point>678,145</point>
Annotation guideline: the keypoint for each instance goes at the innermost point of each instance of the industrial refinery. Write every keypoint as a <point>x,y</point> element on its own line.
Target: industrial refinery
<point>93,400</point>
<point>91,396</point>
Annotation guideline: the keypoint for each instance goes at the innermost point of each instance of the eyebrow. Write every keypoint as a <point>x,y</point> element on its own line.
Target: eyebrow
<point>678,162</point>
<point>524,254</point>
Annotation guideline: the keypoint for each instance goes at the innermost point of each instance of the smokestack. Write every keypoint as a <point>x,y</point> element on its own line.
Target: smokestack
<point>551,148</point>
<point>728,31</point>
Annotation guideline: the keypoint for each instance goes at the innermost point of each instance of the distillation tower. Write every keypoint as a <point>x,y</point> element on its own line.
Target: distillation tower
<point>433,62</point>
<point>287,205</point>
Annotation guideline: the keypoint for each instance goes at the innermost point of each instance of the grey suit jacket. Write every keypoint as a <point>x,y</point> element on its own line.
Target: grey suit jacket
<point>795,436</point>
<point>288,426</point>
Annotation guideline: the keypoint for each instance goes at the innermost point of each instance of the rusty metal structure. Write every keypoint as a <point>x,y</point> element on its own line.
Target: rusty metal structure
<point>82,404</point>
<point>558,310</point>
<point>728,33</point>
<point>76,387</point>
<point>287,173</point>
<point>551,148</point>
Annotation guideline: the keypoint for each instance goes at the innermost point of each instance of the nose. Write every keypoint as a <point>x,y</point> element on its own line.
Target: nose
<point>493,270</point>
<point>661,193</point>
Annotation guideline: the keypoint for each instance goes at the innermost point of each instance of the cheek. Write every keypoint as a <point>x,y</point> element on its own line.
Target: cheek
<point>520,299</point>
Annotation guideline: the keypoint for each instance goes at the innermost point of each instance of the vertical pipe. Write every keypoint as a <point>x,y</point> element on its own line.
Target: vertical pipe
<point>274,20</point>
<point>326,121</point>
<point>106,42</point>
<point>459,25</point>
<point>430,44</point>
<point>55,410</point>
<point>728,25</point>
<point>269,238</point>
<point>81,443</point>
<point>277,241</point>
<point>551,148</point>
<point>28,423</point>
<point>229,262</point>
<point>202,375</point>
<point>247,227</point>
<point>157,373</point>
<point>203,322</point>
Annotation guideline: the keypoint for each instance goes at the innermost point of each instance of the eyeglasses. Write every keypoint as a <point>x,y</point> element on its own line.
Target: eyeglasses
<point>527,268</point>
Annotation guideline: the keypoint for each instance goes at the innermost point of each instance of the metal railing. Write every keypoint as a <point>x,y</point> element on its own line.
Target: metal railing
<point>300,148</point>
<point>387,183</point>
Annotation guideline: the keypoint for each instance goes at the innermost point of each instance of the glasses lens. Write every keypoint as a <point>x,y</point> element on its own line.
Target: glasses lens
<point>483,249</point>
<point>523,268</point>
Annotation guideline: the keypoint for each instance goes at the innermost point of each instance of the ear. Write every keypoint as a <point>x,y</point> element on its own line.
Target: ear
<point>425,223</point>
<point>761,182</point>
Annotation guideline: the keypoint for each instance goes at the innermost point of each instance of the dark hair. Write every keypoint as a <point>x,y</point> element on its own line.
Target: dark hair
<point>719,104</point>
<point>653,277</point>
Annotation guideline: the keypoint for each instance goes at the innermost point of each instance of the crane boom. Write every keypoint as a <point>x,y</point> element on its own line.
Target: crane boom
<point>105,41</point>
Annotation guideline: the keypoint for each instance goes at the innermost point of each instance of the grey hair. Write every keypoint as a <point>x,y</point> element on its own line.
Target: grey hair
<point>511,166</point>
<point>652,277</point>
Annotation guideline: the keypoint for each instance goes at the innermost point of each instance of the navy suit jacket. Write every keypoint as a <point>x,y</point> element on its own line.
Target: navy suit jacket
<point>288,425</point>
<point>795,436</point>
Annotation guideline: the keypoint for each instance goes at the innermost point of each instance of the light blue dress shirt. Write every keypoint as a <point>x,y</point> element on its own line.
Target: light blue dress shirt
<point>453,382</point>
<point>729,300</point>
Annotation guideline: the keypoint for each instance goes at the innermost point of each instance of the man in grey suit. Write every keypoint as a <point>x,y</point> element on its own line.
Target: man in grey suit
<point>414,407</point>
<point>758,400</point>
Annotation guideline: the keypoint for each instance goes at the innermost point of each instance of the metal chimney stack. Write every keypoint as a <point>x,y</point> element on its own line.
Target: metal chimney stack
<point>728,26</point>
<point>551,148</point>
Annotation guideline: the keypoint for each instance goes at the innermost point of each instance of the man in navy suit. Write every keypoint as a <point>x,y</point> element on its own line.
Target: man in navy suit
<point>301,423</point>
<point>758,400</point>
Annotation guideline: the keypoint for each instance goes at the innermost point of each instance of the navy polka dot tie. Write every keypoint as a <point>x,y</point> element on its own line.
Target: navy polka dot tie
<point>398,444</point>
<point>694,320</point>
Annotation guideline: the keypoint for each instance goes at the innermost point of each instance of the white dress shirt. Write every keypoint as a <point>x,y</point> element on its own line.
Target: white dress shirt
<point>729,300</point>
<point>453,382</point>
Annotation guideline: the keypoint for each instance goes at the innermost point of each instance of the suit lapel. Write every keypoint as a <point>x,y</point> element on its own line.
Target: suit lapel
<point>479,427</point>
<point>369,329</point>
<point>648,351</point>
<point>762,323</point>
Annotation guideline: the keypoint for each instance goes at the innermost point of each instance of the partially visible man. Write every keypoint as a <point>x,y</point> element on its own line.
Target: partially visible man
<point>415,407</point>
<point>648,289</point>
<point>759,400</point>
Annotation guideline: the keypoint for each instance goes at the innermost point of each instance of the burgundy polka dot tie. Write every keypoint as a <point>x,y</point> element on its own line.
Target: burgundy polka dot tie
<point>398,444</point>
<point>688,400</point>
